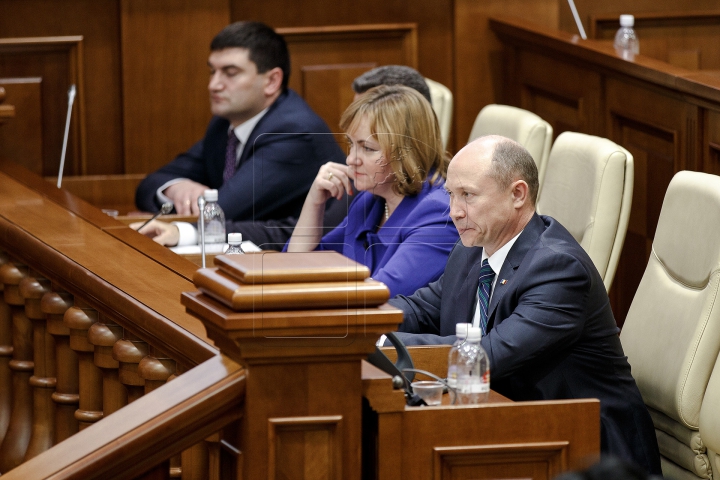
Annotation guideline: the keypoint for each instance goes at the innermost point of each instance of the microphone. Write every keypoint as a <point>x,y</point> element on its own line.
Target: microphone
<point>577,19</point>
<point>71,99</point>
<point>164,210</point>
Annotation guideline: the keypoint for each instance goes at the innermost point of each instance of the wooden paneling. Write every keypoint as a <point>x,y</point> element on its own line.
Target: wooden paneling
<point>587,8</point>
<point>478,56</point>
<point>57,63</point>
<point>683,38</point>
<point>434,19</point>
<point>165,45</point>
<point>325,61</point>
<point>23,137</point>
<point>98,24</point>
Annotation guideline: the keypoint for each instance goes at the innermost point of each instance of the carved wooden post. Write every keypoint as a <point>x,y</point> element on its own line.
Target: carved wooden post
<point>129,352</point>
<point>6,351</point>
<point>79,320</point>
<point>66,397</point>
<point>19,430</point>
<point>104,336</point>
<point>43,381</point>
<point>302,336</point>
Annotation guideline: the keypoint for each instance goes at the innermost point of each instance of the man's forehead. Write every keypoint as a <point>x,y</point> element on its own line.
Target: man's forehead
<point>229,56</point>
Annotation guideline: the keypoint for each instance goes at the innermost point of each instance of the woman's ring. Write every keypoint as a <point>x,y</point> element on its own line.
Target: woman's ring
<point>187,202</point>
<point>330,175</point>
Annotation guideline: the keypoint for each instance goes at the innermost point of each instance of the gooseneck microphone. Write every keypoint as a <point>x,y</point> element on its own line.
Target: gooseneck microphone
<point>164,210</point>
<point>71,99</point>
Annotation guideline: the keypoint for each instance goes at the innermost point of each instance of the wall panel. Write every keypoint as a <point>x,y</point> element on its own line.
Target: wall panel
<point>165,45</point>
<point>98,24</point>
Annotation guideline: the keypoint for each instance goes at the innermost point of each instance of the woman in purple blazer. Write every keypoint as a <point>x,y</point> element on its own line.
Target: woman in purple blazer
<point>398,224</point>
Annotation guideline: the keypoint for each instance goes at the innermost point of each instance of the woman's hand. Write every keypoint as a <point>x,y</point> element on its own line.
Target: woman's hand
<point>331,181</point>
<point>163,233</point>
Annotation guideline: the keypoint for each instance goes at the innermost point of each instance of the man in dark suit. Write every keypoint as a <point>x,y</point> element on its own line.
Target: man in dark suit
<point>536,295</point>
<point>262,148</point>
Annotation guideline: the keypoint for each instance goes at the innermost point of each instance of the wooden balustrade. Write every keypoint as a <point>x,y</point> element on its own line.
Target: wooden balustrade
<point>32,289</point>
<point>6,351</point>
<point>17,438</point>
<point>66,395</point>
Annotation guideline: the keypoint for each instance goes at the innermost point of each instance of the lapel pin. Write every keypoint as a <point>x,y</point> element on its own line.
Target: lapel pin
<point>503,281</point>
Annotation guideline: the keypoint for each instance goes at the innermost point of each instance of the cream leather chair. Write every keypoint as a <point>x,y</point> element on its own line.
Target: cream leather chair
<point>442,103</point>
<point>526,128</point>
<point>672,331</point>
<point>588,188</point>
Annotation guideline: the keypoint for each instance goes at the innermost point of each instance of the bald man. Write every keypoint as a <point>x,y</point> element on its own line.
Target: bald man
<point>536,295</point>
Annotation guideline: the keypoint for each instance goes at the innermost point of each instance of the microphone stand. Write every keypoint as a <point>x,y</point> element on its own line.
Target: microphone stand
<point>71,99</point>
<point>577,19</point>
<point>166,208</point>
<point>201,225</point>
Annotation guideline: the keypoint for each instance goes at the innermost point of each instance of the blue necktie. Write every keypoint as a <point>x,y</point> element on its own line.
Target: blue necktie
<point>486,278</point>
<point>230,156</point>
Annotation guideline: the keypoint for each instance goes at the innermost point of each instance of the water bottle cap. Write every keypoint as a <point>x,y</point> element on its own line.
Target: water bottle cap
<point>627,20</point>
<point>234,238</point>
<point>211,195</point>
<point>461,330</point>
<point>474,334</point>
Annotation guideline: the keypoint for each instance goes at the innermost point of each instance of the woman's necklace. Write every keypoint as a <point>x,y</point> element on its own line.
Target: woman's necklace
<point>387,212</point>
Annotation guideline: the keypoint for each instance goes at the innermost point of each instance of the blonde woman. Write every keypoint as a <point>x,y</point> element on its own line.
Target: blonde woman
<point>398,223</point>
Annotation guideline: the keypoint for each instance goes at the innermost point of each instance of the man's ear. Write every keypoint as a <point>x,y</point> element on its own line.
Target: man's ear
<point>520,192</point>
<point>273,82</point>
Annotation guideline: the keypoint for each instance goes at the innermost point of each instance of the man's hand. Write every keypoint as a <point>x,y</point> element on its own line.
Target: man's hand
<point>163,233</point>
<point>184,195</point>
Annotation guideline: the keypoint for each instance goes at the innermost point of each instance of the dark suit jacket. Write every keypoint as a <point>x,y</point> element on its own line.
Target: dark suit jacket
<point>552,333</point>
<point>277,166</point>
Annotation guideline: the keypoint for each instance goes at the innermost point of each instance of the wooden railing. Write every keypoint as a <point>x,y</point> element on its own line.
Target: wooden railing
<point>91,326</point>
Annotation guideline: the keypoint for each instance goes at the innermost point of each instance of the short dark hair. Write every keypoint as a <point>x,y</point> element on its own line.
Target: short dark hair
<point>510,162</point>
<point>267,48</point>
<point>392,75</point>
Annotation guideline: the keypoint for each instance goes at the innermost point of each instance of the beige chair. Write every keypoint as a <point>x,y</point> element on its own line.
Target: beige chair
<point>710,420</point>
<point>442,103</point>
<point>672,332</point>
<point>526,128</point>
<point>588,188</point>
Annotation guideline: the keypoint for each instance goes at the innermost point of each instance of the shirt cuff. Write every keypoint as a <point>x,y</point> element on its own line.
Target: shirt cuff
<point>381,341</point>
<point>188,233</point>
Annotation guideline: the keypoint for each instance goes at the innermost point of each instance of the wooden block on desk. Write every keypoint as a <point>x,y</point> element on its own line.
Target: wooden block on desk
<point>240,296</point>
<point>292,267</point>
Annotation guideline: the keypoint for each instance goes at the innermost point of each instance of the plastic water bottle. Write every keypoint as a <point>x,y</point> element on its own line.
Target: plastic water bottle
<point>214,218</point>
<point>461,332</point>
<point>235,242</point>
<point>626,41</point>
<point>473,370</point>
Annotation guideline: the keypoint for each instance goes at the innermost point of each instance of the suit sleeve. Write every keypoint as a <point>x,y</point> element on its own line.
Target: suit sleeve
<point>278,177</point>
<point>190,165</point>
<point>548,317</point>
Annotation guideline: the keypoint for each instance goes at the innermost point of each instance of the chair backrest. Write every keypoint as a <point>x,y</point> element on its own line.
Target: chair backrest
<point>671,334</point>
<point>442,103</point>
<point>672,331</point>
<point>588,188</point>
<point>526,128</point>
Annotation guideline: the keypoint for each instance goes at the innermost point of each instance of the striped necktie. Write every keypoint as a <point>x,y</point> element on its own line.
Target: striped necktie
<point>486,278</point>
<point>230,156</point>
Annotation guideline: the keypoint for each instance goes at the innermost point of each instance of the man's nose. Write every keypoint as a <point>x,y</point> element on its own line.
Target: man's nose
<point>214,83</point>
<point>456,210</point>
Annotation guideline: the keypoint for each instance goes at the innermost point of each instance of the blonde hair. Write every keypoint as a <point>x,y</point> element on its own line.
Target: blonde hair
<point>405,126</point>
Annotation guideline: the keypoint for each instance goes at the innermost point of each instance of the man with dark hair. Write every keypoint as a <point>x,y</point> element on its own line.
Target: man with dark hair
<point>534,292</point>
<point>392,75</point>
<point>262,149</point>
